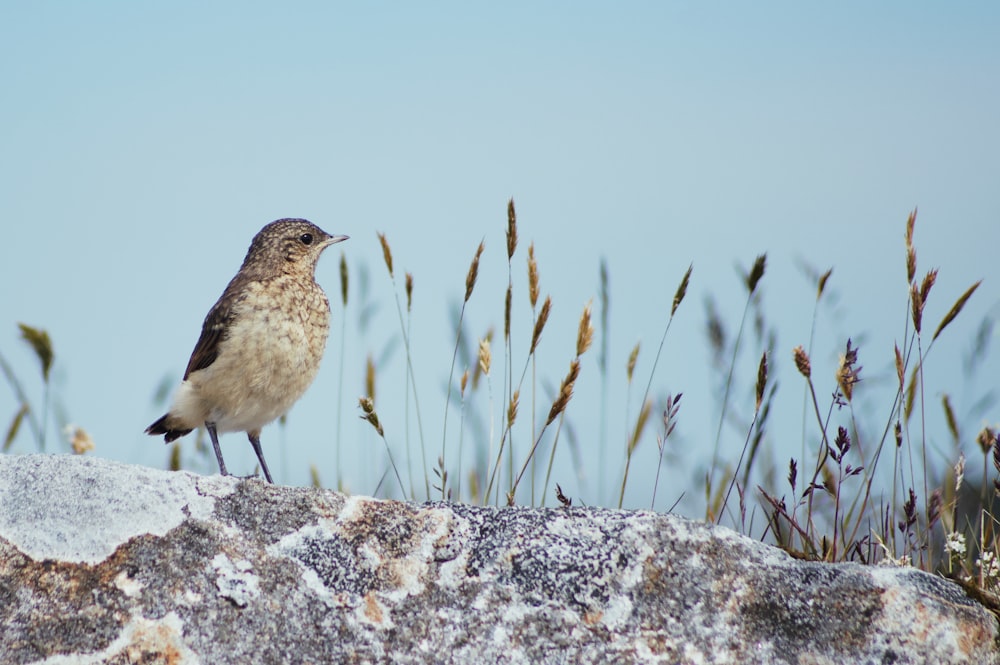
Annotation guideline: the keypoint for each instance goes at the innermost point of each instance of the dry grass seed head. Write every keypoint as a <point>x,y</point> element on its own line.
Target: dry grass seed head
<point>565,392</point>
<point>343,278</point>
<point>761,379</point>
<point>925,286</point>
<point>911,394</point>
<point>632,358</point>
<point>370,378</point>
<point>681,290</point>
<point>802,361</point>
<point>532,276</point>
<point>821,284</point>
<point>506,312</point>
<point>543,316</point>
<point>756,272</point>
<point>916,307</point>
<point>512,408</point>
<point>386,252</point>
<point>911,253</point>
<point>585,332</point>
<point>409,291</point>
<point>949,416</point>
<point>41,344</point>
<point>368,407</point>
<point>985,439</point>
<point>934,508</point>
<point>470,278</point>
<point>955,309</point>
<point>640,425</point>
<point>847,373</point>
<point>464,382</point>
<point>485,356</point>
<point>511,229</point>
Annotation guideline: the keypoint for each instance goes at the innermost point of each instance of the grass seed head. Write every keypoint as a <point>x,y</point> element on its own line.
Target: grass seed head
<point>761,379</point>
<point>911,253</point>
<point>409,291</point>
<point>543,316</point>
<point>386,252</point>
<point>512,408</point>
<point>802,361</point>
<point>640,425</point>
<point>585,332</point>
<point>511,229</point>
<point>532,276</point>
<point>681,290</point>
<point>41,344</point>
<point>565,392</point>
<point>343,278</point>
<point>916,307</point>
<point>632,358</point>
<point>847,373</point>
<point>955,309</point>
<point>756,272</point>
<point>470,278</point>
<point>506,312</point>
<point>370,378</point>
<point>925,286</point>
<point>821,284</point>
<point>985,439</point>
<point>368,408</point>
<point>485,356</point>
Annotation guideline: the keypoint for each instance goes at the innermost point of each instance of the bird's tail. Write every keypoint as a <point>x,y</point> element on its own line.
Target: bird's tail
<point>169,433</point>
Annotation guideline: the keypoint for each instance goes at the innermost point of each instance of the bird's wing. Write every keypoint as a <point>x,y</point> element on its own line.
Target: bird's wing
<point>213,331</point>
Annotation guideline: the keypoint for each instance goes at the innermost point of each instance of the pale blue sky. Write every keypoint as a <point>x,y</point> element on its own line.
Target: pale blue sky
<point>143,145</point>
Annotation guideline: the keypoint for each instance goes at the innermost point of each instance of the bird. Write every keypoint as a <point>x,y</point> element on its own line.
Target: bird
<point>261,343</point>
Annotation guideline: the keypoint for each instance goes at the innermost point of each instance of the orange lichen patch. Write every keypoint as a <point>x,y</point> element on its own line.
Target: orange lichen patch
<point>373,610</point>
<point>155,643</point>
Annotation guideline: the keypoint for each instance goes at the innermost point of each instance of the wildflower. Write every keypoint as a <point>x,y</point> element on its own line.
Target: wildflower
<point>989,567</point>
<point>79,440</point>
<point>954,545</point>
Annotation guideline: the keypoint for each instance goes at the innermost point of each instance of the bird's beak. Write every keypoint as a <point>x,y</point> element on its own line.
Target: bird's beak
<point>333,240</point>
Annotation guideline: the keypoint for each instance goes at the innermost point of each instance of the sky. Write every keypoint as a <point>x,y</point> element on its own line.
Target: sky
<point>144,144</point>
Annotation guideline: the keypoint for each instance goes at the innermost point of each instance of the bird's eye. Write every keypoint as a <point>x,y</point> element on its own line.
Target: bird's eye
<point>306,238</point>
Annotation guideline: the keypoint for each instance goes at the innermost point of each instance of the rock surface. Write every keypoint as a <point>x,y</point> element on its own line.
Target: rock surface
<point>102,562</point>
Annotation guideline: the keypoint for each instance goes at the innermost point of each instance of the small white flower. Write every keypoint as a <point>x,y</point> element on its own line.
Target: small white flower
<point>954,545</point>
<point>989,566</point>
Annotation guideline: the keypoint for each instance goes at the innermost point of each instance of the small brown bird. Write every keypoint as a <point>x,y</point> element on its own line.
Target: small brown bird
<point>261,343</point>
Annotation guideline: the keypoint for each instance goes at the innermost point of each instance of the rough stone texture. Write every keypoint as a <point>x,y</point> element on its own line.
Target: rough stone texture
<point>106,563</point>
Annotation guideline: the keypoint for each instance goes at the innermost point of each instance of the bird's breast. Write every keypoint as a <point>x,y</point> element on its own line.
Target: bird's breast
<point>269,355</point>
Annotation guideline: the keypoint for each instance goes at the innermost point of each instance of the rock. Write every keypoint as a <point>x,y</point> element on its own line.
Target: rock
<point>101,562</point>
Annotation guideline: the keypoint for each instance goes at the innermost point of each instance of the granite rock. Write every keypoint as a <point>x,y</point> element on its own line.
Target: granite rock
<point>102,562</point>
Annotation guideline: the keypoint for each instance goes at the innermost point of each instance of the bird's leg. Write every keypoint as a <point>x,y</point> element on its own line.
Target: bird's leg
<point>255,442</point>
<point>215,444</point>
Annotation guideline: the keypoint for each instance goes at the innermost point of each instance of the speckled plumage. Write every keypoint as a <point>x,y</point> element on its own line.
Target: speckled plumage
<point>261,343</point>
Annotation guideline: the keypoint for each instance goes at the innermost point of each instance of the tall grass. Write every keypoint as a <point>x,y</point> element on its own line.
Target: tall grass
<point>869,488</point>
